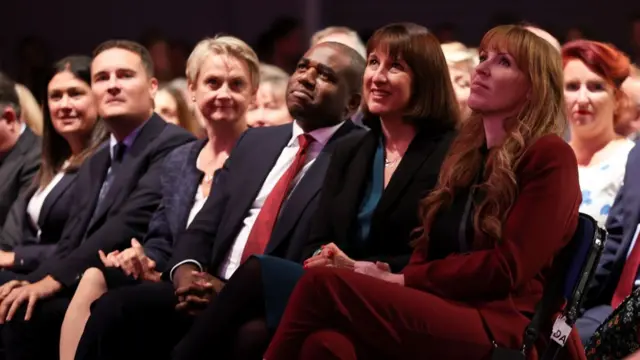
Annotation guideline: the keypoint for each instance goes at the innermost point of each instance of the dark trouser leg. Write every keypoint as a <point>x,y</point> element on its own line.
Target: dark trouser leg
<point>136,322</point>
<point>39,337</point>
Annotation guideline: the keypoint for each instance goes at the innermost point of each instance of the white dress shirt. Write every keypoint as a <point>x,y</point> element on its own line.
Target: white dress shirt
<point>288,154</point>
<point>34,207</point>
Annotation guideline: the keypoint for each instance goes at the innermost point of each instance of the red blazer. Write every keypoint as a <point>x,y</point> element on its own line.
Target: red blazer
<point>506,281</point>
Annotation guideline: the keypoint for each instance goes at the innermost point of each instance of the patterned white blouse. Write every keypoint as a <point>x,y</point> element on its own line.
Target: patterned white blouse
<point>600,183</point>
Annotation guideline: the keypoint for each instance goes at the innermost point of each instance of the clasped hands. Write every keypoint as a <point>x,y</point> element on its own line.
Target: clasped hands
<point>330,255</point>
<point>133,262</point>
<point>194,288</point>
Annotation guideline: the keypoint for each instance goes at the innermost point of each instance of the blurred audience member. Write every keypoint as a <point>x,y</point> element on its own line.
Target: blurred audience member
<point>340,34</point>
<point>160,50</point>
<point>72,133</point>
<point>593,74</point>
<point>31,110</point>
<point>19,148</point>
<point>270,106</point>
<point>461,64</point>
<point>171,105</point>
<point>282,44</point>
<point>628,123</point>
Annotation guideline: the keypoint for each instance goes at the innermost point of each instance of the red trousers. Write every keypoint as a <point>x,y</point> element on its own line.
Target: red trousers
<point>339,314</point>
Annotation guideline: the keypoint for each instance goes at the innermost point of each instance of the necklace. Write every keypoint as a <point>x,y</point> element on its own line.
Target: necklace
<point>388,162</point>
<point>208,178</point>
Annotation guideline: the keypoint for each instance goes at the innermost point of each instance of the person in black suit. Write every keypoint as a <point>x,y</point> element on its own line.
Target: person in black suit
<point>187,177</point>
<point>369,204</point>
<point>117,190</point>
<point>622,225</point>
<point>262,202</point>
<point>19,149</point>
<point>72,133</point>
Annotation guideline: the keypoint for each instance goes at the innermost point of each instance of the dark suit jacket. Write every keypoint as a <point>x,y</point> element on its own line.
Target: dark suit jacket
<point>20,236</point>
<point>621,224</point>
<point>504,282</point>
<point>396,215</point>
<point>17,170</point>
<point>126,210</point>
<point>214,230</point>
<point>180,180</point>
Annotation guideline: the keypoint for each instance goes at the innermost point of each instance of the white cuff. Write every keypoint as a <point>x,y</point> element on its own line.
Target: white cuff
<point>188,261</point>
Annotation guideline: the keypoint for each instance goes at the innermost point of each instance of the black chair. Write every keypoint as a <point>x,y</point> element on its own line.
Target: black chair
<point>573,269</point>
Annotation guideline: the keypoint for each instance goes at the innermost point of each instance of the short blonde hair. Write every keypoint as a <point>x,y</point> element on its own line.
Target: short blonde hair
<point>31,110</point>
<point>358,45</point>
<point>223,45</point>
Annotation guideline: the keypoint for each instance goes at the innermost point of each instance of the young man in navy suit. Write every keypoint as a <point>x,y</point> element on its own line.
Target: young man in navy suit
<point>262,202</point>
<point>117,190</point>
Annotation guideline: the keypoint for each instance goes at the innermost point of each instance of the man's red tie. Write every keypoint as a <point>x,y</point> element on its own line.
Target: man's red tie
<point>628,276</point>
<point>262,228</point>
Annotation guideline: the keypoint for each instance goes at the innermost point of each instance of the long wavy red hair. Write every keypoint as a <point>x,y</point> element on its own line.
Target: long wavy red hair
<point>542,113</point>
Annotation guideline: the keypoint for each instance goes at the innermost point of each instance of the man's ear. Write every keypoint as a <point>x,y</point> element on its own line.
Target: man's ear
<point>153,87</point>
<point>353,105</point>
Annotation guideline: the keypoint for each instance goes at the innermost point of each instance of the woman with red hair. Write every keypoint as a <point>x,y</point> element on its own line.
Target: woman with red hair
<point>593,74</point>
<point>506,203</point>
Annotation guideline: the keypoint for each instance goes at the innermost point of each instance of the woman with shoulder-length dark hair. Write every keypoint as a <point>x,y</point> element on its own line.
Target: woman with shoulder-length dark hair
<point>506,203</point>
<point>71,133</point>
<point>369,201</point>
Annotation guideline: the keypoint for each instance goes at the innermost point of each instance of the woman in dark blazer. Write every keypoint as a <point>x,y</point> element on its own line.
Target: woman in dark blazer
<point>187,177</point>
<point>71,134</point>
<point>369,201</point>
<point>491,231</point>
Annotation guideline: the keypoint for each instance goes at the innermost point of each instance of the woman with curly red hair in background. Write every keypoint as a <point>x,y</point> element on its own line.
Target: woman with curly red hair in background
<point>593,74</point>
<point>506,203</point>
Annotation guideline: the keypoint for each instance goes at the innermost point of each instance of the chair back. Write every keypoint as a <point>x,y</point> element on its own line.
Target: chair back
<point>572,271</point>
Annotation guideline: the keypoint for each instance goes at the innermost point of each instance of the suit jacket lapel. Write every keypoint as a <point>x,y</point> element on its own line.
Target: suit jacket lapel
<point>418,152</point>
<point>99,166</point>
<point>54,195</point>
<point>144,137</point>
<point>255,174</point>
<point>190,180</point>
<point>307,188</point>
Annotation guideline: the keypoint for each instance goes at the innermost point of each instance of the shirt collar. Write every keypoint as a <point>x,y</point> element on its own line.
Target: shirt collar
<point>321,135</point>
<point>128,141</point>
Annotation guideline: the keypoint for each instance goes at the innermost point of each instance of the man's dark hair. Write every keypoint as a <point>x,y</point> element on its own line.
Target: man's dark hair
<point>355,72</point>
<point>129,45</point>
<point>9,94</point>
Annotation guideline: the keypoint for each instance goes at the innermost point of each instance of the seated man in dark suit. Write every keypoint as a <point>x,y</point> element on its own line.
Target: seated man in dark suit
<point>262,202</point>
<point>117,189</point>
<point>19,148</point>
<point>617,273</point>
